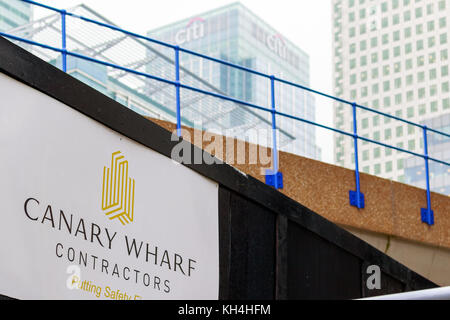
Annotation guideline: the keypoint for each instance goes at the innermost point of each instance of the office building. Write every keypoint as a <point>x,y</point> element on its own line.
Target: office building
<point>391,56</point>
<point>234,34</point>
<point>14,13</point>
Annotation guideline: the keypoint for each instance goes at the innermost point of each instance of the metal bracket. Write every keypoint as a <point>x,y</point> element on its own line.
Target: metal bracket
<point>274,179</point>
<point>353,196</point>
<point>427,216</point>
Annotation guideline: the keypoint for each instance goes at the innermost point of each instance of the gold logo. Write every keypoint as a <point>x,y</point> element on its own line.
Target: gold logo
<point>118,190</point>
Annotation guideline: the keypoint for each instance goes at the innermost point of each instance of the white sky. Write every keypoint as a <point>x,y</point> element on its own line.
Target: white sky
<point>306,23</point>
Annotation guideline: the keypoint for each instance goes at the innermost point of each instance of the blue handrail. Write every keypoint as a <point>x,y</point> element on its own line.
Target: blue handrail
<point>356,197</point>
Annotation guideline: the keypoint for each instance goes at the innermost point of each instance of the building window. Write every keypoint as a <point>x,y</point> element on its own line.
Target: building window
<point>365,123</point>
<point>409,96</point>
<point>421,76</point>
<point>419,44</point>
<point>351,16</point>
<point>351,32</point>
<point>408,64</point>
<point>377,169</point>
<point>363,61</point>
<point>432,57</point>
<point>376,121</point>
<point>407,32</point>
<point>376,153</point>
<point>409,80</point>
<point>363,45</point>
<point>420,61</point>
<point>434,106</point>
<point>410,112</point>
<point>407,15</point>
<point>422,109</point>
<point>362,29</point>
<point>432,74</point>
<point>408,48</point>
<point>362,13</point>
<point>376,135</point>
<point>418,12</point>
<point>395,19</point>
<point>443,38</point>
<point>365,155</point>
<point>374,73</point>
<point>375,88</point>
<point>374,42</point>
<point>411,145</point>
<point>421,93</point>
<point>389,166</point>
<point>433,90</point>
<point>446,103</point>
<point>374,57</point>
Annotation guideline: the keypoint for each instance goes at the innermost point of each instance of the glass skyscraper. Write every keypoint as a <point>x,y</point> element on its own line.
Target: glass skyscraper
<point>391,56</point>
<point>233,33</point>
<point>14,13</point>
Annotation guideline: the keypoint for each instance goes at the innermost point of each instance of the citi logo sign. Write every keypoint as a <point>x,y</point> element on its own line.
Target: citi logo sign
<point>277,45</point>
<point>194,30</point>
<point>118,190</point>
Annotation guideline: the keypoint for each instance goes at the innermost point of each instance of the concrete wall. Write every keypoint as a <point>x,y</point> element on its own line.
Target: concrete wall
<point>390,221</point>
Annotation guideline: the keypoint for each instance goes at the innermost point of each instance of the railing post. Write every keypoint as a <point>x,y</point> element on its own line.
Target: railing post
<point>177,88</point>
<point>63,38</point>
<point>273,177</point>
<point>426,213</point>
<point>356,197</point>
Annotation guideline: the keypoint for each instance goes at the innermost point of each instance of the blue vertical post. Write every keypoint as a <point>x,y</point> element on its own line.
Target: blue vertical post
<point>273,177</point>
<point>63,38</point>
<point>426,213</point>
<point>356,197</point>
<point>177,80</point>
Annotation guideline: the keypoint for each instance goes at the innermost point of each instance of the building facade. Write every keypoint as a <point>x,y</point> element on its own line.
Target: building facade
<point>234,34</point>
<point>391,56</point>
<point>14,13</point>
<point>439,148</point>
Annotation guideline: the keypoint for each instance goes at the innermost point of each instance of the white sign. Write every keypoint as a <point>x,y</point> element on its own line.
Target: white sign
<point>90,214</point>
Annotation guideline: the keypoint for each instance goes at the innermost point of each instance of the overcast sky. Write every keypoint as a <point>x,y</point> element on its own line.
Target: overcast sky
<point>306,23</point>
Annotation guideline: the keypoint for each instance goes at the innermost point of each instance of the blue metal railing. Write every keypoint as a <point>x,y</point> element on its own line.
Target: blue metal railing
<point>273,176</point>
